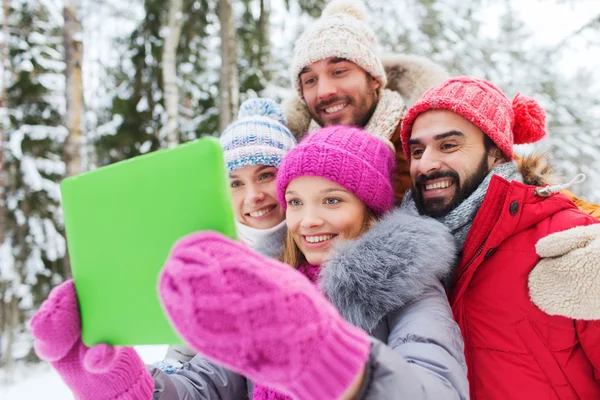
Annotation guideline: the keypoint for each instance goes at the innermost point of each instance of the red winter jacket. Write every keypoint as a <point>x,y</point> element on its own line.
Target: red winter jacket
<point>513,349</point>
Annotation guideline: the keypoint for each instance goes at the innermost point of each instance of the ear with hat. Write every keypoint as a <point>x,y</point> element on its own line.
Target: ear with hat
<point>507,123</point>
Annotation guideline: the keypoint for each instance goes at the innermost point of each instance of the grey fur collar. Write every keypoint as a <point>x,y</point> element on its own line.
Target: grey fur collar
<point>384,269</point>
<point>408,75</point>
<point>388,267</point>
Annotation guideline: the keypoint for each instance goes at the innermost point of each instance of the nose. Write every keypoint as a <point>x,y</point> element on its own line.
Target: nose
<point>429,162</point>
<point>311,219</point>
<point>253,195</point>
<point>327,89</point>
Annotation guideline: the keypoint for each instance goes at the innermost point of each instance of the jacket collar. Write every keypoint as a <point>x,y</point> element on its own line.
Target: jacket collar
<point>508,209</point>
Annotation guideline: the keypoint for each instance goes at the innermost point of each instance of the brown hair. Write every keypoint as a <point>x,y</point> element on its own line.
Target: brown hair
<point>294,257</point>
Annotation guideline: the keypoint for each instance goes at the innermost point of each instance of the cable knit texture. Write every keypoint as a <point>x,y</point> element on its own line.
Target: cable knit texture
<point>259,136</point>
<point>260,318</point>
<point>340,32</point>
<point>506,123</point>
<point>348,156</point>
<point>101,372</point>
<point>262,392</point>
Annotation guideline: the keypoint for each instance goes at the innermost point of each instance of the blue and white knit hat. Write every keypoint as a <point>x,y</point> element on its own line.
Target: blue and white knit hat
<point>258,136</point>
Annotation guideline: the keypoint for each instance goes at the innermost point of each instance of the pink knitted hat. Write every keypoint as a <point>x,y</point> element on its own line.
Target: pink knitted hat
<point>349,156</point>
<point>484,104</point>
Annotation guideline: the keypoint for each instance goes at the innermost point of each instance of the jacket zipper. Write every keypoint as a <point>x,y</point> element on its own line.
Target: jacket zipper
<point>467,265</point>
<point>464,318</point>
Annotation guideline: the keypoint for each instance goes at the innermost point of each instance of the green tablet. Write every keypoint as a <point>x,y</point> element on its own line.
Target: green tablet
<point>122,220</point>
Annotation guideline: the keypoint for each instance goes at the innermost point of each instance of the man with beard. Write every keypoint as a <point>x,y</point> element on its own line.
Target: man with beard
<point>526,290</point>
<point>340,79</point>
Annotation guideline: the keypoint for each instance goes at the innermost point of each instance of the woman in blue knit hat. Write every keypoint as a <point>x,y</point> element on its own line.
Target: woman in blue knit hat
<point>253,147</point>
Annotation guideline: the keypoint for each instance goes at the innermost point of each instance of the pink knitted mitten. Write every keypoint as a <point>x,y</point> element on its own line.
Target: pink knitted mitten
<point>260,318</point>
<point>96,373</point>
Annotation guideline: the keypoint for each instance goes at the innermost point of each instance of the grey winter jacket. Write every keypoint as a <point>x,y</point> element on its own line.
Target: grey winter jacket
<point>386,282</point>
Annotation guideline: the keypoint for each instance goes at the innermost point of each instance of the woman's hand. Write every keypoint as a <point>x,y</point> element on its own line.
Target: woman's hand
<point>99,372</point>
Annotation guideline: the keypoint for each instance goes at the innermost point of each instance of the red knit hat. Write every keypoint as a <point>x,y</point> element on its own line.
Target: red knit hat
<point>482,103</point>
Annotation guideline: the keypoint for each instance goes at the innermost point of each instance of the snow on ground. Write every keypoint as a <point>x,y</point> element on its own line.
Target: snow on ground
<point>42,382</point>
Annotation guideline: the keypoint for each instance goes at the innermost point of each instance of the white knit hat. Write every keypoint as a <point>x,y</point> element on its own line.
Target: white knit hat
<point>340,32</point>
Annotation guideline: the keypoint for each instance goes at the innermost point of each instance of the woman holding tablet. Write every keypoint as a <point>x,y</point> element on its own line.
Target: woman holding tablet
<point>253,147</point>
<point>358,311</point>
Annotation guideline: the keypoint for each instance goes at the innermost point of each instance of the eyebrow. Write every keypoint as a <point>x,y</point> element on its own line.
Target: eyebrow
<point>232,176</point>
<point>334,60</point>
<point>304,70</point>
<point>325,191</point>
<point>439,136</point>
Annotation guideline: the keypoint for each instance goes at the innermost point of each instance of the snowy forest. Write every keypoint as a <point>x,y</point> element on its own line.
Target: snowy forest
<point>86,83</point>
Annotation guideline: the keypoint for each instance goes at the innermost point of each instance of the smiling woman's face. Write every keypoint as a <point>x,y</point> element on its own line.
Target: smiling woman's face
<point>255,196</point>
<point>320,211</point>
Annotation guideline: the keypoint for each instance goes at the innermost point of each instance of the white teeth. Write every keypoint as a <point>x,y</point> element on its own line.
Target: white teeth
<point>337,108</point>
<point>438,185</point>
<point>318,239</point>
<point>260,213</point>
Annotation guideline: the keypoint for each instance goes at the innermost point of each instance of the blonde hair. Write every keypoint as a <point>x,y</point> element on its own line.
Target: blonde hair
<point>294,257</point>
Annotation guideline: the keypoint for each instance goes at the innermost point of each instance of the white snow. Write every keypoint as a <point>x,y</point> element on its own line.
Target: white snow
<point>142,105</point>
<point>109,128</point>
<point>31,175</point>
<point>7,261</point>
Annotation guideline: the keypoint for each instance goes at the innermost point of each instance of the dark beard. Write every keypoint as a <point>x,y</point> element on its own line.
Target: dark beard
<point>358,118</point>
<point>437,207</point>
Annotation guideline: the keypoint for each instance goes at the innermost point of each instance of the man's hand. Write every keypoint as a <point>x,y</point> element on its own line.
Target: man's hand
<point>566,281</point>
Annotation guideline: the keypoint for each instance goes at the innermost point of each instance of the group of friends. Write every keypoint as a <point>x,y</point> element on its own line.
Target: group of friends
<point>391,246</point>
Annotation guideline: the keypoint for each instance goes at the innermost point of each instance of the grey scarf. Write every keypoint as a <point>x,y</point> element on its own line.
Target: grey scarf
<point>460,219</point>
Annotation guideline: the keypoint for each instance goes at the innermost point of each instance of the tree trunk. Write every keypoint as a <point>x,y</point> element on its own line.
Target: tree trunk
<point>229,85</point>
<point>5,349</point>
<point>169,71</point>
<point>264,37</point>
<point>74,89</point>
<point>3,319</point>
<point>13,320</point>
<point>4,66</point>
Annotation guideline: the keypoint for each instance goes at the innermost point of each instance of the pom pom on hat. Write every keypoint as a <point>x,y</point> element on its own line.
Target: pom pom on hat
<point>262,107</point>
<point>355,8</point>
<point>530,120</point>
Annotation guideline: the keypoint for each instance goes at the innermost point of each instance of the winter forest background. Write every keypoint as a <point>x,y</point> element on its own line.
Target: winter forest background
<point>85,83</point>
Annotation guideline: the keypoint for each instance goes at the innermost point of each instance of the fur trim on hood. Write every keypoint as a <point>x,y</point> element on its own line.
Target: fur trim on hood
<point>387,268</point>
<point>537,170</point>
<point>408,75</point>
<point>412,75</point>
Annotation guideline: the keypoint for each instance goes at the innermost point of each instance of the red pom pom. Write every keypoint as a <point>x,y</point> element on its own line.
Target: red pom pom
<point>530,120</point>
